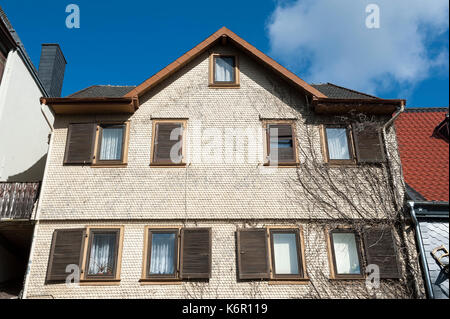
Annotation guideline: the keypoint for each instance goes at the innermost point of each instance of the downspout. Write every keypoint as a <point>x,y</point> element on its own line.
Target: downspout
<point>422,253</point>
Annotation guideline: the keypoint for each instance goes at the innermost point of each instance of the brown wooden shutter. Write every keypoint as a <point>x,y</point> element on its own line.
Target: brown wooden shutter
<point>381,250</point>
<point>67,248</point>
<point>368,143</point>
<point>80,143</point>
<point>195,253</point>
<point>252,254</point>
<point>285,154</point>
<point>163,143</point>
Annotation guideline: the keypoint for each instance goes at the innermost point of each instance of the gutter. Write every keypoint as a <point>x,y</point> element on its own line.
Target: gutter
<point>422,253</point>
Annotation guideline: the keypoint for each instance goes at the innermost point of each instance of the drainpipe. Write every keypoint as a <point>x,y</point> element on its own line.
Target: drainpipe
<point>421,251</point>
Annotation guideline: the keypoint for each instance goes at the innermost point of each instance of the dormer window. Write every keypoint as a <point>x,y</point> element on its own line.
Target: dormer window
<point>224,71</point>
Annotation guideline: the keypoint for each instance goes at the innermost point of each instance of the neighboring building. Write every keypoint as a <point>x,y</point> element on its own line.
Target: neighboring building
<point>224,175</point>
<point>423,136</point>
<point>25,128</point>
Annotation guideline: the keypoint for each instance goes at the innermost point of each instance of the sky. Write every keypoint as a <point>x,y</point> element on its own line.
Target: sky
<point>400,49</point>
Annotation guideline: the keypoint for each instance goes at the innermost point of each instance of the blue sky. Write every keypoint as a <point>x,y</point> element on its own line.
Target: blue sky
<point>125,42</point>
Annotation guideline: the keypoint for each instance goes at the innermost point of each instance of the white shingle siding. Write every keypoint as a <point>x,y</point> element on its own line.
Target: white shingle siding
<point>218,195</point>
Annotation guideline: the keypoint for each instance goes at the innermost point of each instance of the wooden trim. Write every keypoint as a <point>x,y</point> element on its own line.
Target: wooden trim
<point>351,147</point>
<point>212,70</point>
<point>125,141</point>
<point>266,140</point>
<point>301,281</point>
<point>300,263</point>
<point>154,136</point>
<point>118,263</point>
<point>335,274</point>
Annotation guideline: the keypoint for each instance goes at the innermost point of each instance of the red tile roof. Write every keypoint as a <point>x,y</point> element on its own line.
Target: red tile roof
<point>424,157</point>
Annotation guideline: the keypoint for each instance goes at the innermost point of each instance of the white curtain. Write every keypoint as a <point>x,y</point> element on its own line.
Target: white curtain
<point>224,69</point>
<point>111,143</point>
<point>346,253</point>
<point>102,255</point>
<point>162,257</point>
<point>337,143</point>
<point>285,254</point>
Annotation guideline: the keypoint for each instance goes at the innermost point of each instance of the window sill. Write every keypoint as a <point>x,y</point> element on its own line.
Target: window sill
<point>224,86</point>
<point>109,165</point>
<point>159,281</point>
<point>283,165</point>
<point>340,278</point>
<point>98,282</point>
<point>167,165</point>
<point>302,281</point>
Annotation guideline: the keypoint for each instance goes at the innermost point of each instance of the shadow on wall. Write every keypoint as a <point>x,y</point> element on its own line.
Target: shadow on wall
<point>33,174</point>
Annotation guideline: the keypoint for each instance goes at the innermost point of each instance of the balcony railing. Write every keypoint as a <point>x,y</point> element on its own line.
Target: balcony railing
<point>17,200</point>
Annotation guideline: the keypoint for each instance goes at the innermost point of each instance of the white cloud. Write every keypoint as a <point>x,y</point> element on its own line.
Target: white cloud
<point>330,41</point>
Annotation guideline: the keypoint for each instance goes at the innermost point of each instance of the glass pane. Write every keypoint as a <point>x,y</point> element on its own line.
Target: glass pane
<point>111,144</point>
<point>338,143</point>
<point>346,253</point>
<point>163,254</point>
<point>285,254</point>
<point>224,69</point>
<point>102,254</point>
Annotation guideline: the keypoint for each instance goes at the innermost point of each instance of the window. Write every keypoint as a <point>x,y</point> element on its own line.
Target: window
<point>163,253</point>
<point>281,144</point>
<point>97,144</point>
<point>177,254</point>
<point>168,142</point>
<point>101,262</point>
<point>273,253</point>
<point>286,261</point>
<point>96,251</point>
<point>111,141</point>
<point>224,70</point>
<point>346,254</point>
<point>338,145</point>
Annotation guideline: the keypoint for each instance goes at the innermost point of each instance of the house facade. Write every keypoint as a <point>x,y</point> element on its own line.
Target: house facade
<point>224,175</point>
<point>25,128</point>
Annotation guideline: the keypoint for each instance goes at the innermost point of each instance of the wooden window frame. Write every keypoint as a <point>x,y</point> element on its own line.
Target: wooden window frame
<point>95,279</point>
<point>212,71</point>
<point>300,251</point>
<point>332,256</point>
<point>266,139</point>
<point>98,145</point>
<point>350,143</point>
<point>149,230</point>
<point>153,147</point>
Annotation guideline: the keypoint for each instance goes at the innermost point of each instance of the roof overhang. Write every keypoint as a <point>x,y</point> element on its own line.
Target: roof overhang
<point>97,105</point>
<point>329,106</point>
<point>7,42</point>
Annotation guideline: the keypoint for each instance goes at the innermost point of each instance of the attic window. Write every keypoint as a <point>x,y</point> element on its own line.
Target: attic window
<point>224,70</point>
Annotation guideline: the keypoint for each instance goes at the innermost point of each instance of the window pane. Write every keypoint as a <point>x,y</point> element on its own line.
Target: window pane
<point>346,253</point>
<point>285,253</point>
<point>281,143</point>
<point>163,254</point>
<point>111,144</point>
<point>102,255</point>
<point>338,143</point>
<point>224,69</point>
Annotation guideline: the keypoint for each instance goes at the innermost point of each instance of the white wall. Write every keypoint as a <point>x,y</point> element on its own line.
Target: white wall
<point>23,128</point>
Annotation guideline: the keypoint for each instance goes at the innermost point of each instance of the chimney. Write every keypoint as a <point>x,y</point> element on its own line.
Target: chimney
<point>51,68</point>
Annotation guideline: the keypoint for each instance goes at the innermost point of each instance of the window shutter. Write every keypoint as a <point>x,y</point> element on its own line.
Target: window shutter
<point>368,143</point>
<point>195,253</point>
<point>382,251</point>
<point>252,254</point>
<point>67,248</point>
<point>163,142</point>
<point>285,154</point>
<point>80,143</point>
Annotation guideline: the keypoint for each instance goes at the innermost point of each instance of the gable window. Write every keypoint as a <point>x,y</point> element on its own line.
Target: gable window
<point>273,253</point>
<point>111,141</point>
<point>102,254</point>
<point>168,142</point>
<point>97,144</point>
<point>346,253</point>
<point>281,144</point>
<point>224,70</point>
<point>177,254</point>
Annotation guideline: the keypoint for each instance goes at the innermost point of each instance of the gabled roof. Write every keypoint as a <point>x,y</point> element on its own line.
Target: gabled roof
<point>210,41</point>
<point>103,91</point>
<point>424,156</point>
<point>334,91</point>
